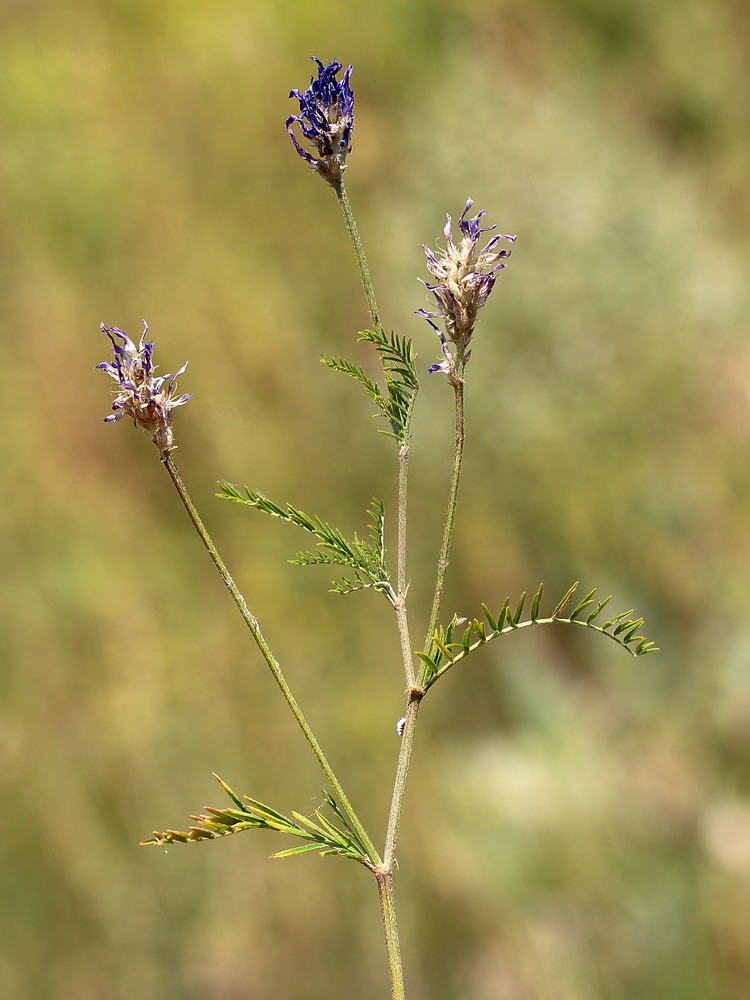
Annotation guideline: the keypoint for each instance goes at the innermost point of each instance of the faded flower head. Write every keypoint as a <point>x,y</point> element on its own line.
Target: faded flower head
<point>326,121</point>
<point>149,400</point>
<point>465,277</point>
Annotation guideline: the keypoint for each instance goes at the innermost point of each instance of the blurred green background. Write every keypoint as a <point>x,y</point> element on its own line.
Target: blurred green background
<point>578,822</point>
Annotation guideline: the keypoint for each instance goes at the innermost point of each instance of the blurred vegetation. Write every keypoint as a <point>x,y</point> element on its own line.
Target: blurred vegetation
<point>144,172</point>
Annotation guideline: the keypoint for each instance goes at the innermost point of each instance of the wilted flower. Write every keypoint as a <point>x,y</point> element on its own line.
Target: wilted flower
<point>326,120</point>
<point>141,395</point>
<point>466,276</point>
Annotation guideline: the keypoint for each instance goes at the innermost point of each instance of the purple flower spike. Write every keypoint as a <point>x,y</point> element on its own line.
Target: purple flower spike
<point>465,277</point>
<point>140,395</point>
<point>326,121</point>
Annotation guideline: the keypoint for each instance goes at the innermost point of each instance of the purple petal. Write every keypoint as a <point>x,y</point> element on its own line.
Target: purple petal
<point>427,316</point>
<point>174,378</point>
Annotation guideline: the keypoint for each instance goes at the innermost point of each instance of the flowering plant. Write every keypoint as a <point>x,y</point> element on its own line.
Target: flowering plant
<point>464,276</point>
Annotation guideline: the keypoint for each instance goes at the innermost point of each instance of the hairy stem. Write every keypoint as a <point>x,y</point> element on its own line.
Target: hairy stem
<point>384,876</point>
<point>416,693</point>
<point>400,606</point>
<point>388,908</point>
<point>450,518</point>
<point>252,624</point>
<point>403,454</point>
<point>359,252</point>
<point>402,773</point>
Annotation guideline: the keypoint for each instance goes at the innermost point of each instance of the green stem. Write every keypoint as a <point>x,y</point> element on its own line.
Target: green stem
<point>450,519</point>
<point>252,624</point>
<point>403,454</point>
<point>388,908</point>
<point>359,252</point>
<point>416,693</point>
<point>402,773</point>
<point>384,875</point>
<point>400,606</point>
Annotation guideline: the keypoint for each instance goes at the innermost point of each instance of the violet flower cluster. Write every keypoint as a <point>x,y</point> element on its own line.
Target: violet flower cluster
<point>465,274</point>
<point>465,277</point>
<point>146,398</point>
<point>326,121</point>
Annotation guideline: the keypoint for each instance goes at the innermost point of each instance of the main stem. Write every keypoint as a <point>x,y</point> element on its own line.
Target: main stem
<point>403,453</point>
<point>385,882</point>
<point>388,907</point>
<point>252,624</point>
<point>384,874</point>
<point>416,693</point>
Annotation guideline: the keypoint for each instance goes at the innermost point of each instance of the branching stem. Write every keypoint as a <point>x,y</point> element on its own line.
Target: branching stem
<point>400,607</point>
<point>416,693</point>
<point>402,773</point>
<point>403,453</point>
<point>385,875</point>
<point>458,453</point>
<point>252,624</point>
